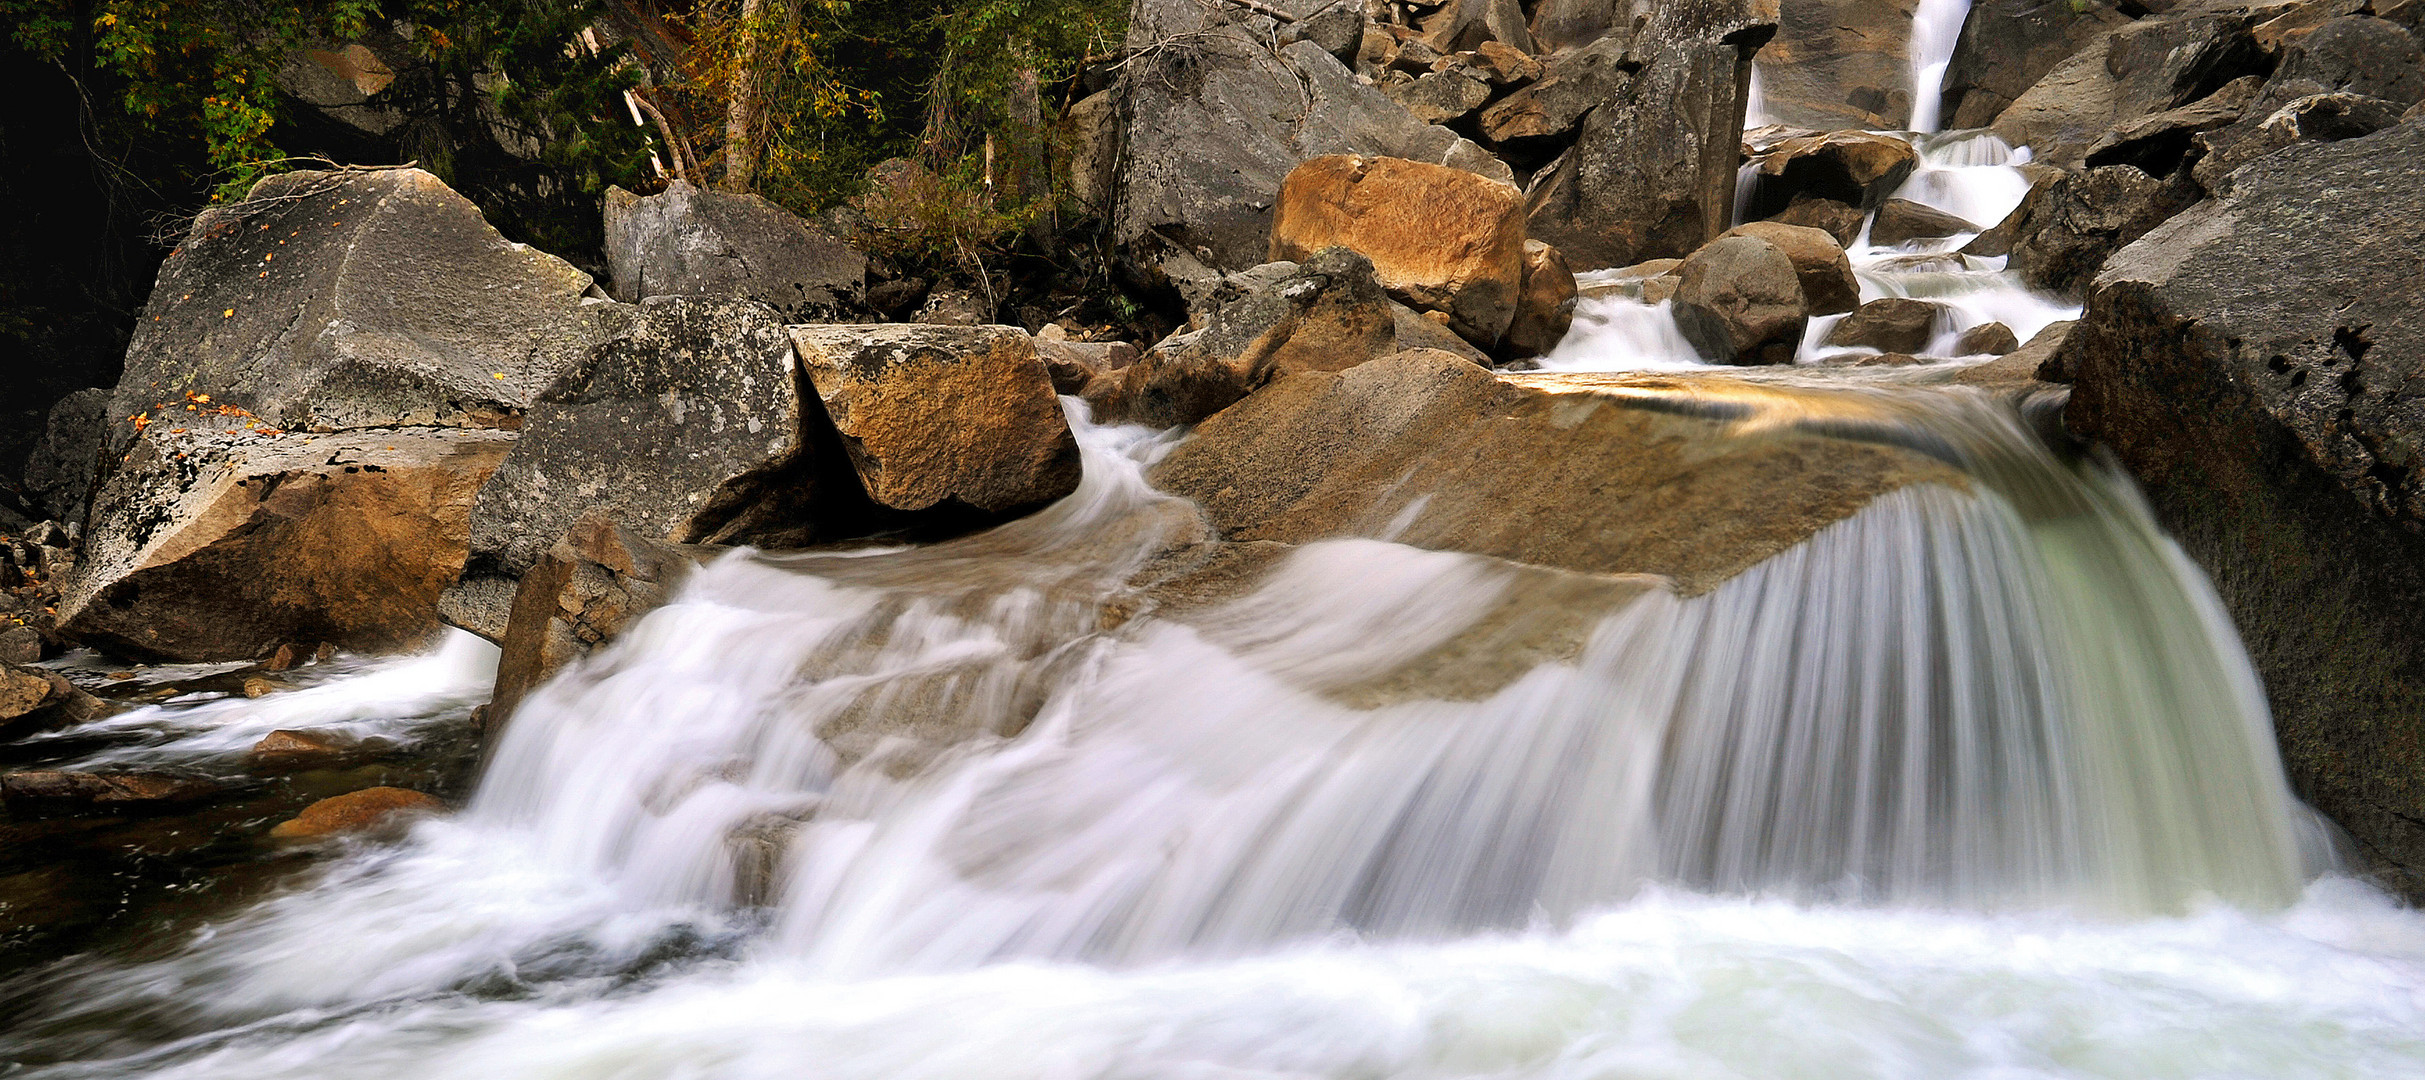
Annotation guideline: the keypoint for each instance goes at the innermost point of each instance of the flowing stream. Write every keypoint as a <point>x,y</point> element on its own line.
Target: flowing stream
<point>1976,782</point>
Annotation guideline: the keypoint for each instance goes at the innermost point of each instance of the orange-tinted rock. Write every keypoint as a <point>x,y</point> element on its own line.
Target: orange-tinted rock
<point>282,751</point>
<point>1828,284</point>
<point>1547,306</point>
<point>356,811</point>
<point>1440,239</point>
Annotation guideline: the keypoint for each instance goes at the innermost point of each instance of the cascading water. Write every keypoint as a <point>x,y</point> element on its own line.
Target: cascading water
<point>1936,28</point>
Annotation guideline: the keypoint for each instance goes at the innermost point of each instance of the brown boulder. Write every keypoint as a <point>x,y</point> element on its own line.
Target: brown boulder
<point>357,811</point>
<point>43,794</point>
<point>582,593</point>
<point>1739,301</point>
<point>1547,307</point>
<point>1986,339</point>
<point>933,414</point>
<point>1856,168</point>
<point>295,751</point>
<point>1895,324</point>
<point>1839,220</point>
<point>1828,284</point>
<point>1440,239</point>
<point>222,544</point>
<point>1901,219</point>
<point>1073,363</point>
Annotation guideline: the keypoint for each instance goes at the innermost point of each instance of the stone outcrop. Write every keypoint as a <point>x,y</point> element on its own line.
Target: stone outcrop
<point>1652,171</point>
<point>686,424</point>
<point>220,543</point>
<point>2255,361</point>
<point>1324,314</point>
<point>1439,239</point>
<point>1603,474</point>
<point>2006,46</point>
<point>332,300</point>
<point>584,591</point>
<point>685,241</point>
<point>942,416</point>
<point>1739,301</point>
<point>1840,64</point>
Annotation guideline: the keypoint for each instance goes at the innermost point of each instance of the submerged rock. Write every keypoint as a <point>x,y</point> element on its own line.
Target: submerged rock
<point>2255,361</point>
<point>686,241</point>
<point>357,811</point>
<point>47,793</point>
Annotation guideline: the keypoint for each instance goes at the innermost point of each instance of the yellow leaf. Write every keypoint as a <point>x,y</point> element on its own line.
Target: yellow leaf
<point>228,314</point>
<point>498,375</point>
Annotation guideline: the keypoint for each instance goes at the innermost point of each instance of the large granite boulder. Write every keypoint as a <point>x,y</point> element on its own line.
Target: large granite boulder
<point>2068,228</point>
<point>685,241</point>
<point>2006,46</point>
<point>1652,172</point>
<point>1840,64</point>
<point>2136,70</point>
<point>1216,122</point>
<point>361,298</point>
<point>959,416</point>
<point>215,542</point>
<point>2259,363</point>
<point>1439,239</point>
<point>59,476</point>
<point>1740,301</point>
<point>685,425</point>
<point>1828,284</point>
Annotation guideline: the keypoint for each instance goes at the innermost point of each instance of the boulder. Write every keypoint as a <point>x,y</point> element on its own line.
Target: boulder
<point>1840,220</point>
<point>1321,315</point>
<point>2136,70</point>
<point>1538,121</point>
<point>1828,284</point>
<point>1986,339</point>
<point>2353,54</point>
<point>686,424</point>
<point>1856,168</point>
<point>218,543</point>
<point>298,751</point>
<point>954,307</point>
<point>685,241</point>
<point>358,811</point>
<point>1072,364</point>
<point>1592,473</point>
<point>2257,362</point>
<point>2315,118</point>
<point>1739,301</point>
<point>34,700</point>
<point>1546,308</point>
<point>933,415</point>
<point>2069,228</point>
<point>584,591</point>
<point>1901,220</point>
<point>59,476</point>
<point>1092,132</point>
<point>2158,144</point>
<point>1894,324</point>
<point>1439,239</point>
<point>1997,241</point>
<point>1840,64</point>
<point>51,793</point>
<point>2006,46</point>
<point>362,298</point>
<point>1213,128</point>
<point>1652,171</point>
<point>1439,97</point>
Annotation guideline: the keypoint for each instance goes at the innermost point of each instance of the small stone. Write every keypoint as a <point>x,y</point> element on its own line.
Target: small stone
<point>282,659</point>
<point>257,687</point>
<point>1986,339</point>
<point>288,751</point>
<point>356,811</point>
<point>1895,324</point>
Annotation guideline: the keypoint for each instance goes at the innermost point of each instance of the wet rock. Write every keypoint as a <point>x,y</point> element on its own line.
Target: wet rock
<point>1739,301</point>
<point>1901,220</point>
<point>49,794</point>
<point>1592,473</point>
<point>221,543</point>
<point>1841,64</point>
<point>1986,339</point>
<point>2071,226</point>
<point>931,415</point>
<point>2255,362</point>
<point>298,751</point>
<point>1652,171</point>
<point>1324,314</point>
<point>2006,46</point>
<point>1213,128</point>
<point>1997,240</point>
<point>1855,168</point>
<point>686,424</point>
<point>2137,70</point>
<point>1828,284</point>
<point>332,300</point>
<point>359,811</point>
<point>1439,239</point>
<point>1894,324</point>
<point>59,475</point>
<point>1546,308</point>
<point>584,591</point>
<point>686,241</point>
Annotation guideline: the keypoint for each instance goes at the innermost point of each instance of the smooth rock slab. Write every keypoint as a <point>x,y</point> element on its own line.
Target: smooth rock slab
<point>931,415</point>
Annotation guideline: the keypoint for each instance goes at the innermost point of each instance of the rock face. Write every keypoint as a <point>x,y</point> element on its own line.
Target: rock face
<point>1739,301</point>
<point>221,544</point>
<point>59,475</point>
<point>1652,172</point>
<point>1439,239</point>
<point>686,424</point>
<point>1841,64</point>
<point>932,415</point>
<point>333,300</point>
<point>1324,314</point>
<point>2256,362</point>
<point>689,242</point>
<point>2008,45</point>
<point>1214,127</point>
<point>1574,472</point>
<point>2136,70</point>
<point>584,591</point>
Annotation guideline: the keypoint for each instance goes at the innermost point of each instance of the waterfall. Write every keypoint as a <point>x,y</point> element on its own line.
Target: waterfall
<point>1936,29</point>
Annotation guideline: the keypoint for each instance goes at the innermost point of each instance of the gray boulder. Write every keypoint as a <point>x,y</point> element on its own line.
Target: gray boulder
<point>2008,45</point>
<point>2315,118</point>
<point>60,474</point>
<point>2070,226</point>
<point>689,242</point>
<point>1840,64</point>
<point>1740,301</point>
<point>2136,70</point>
<point>2259,364</point>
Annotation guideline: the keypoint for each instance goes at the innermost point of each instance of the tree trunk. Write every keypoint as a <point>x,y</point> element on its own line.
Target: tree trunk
<point>741,127</point>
